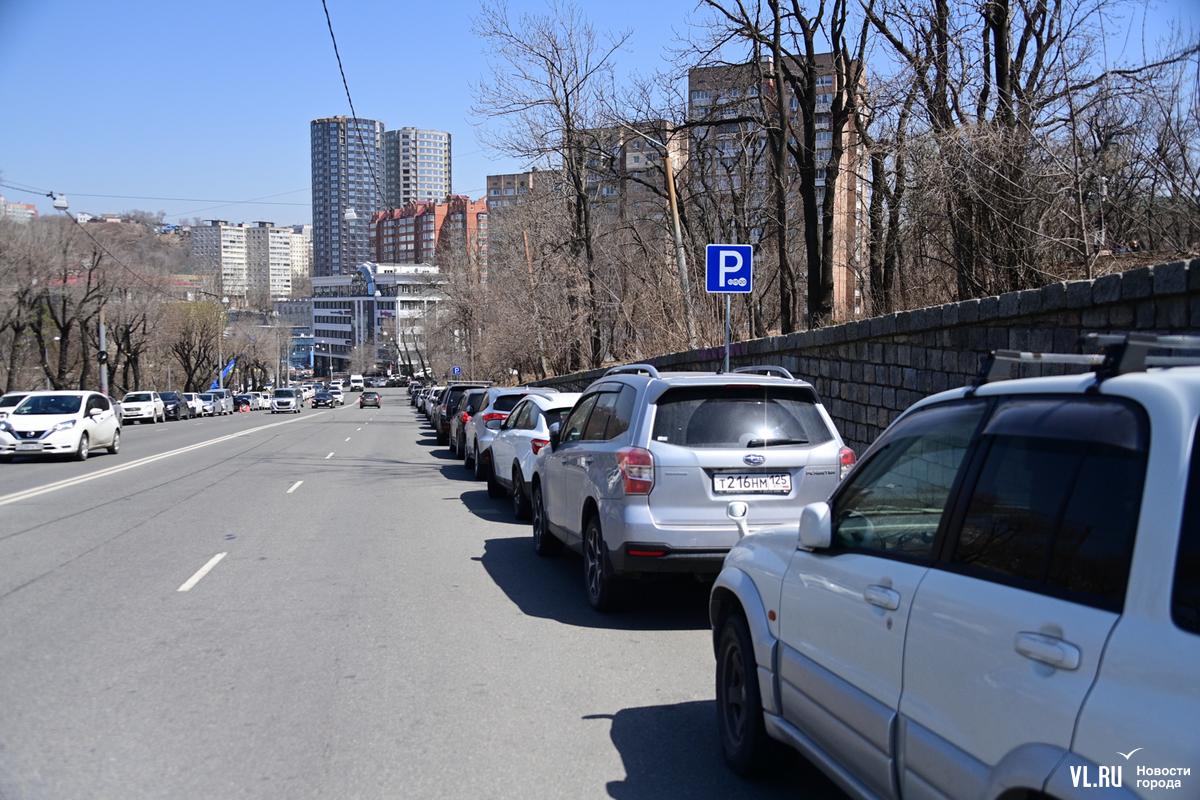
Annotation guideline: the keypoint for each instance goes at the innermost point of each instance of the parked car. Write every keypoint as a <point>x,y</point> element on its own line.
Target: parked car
<point>208,405</point>
<point>638,475</point>
<point>195,404</point>
<point>287,401</point>
<point>445,405</point>
<point>143,407</point>
<point>10,401</point>
<point>521,437</point>
<point>323,398</point>
<point>259,401</point>
<point>432,400</point>
<point>1002,599</point>
<point>482,427</point>
<point>368,398</point>
<point>468,404</point>
<point>241,401</point>
<point>67,423</point>
<point>175,405</point>
<point>222,401</point>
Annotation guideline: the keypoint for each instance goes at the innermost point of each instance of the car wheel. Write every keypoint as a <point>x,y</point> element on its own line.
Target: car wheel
<point>545,543</point>
<point>115,447</point>
<point>601,587</point>
<point>82,453</point>
<point>744,739</point>
<point>520,503</point>
<point>478,465</point>
<point>495,487</point>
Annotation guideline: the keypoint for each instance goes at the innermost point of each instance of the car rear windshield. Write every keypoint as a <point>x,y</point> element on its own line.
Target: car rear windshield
<point>54,404</point>
<point>506,402</point>
<point>740,417</point>
<point>172,396</point>
<point>137,397</point>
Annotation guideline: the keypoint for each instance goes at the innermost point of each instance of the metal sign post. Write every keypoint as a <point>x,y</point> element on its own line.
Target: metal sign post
<point>729,269</point>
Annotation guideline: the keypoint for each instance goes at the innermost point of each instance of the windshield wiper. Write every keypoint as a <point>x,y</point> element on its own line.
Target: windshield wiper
<point>773,442</point>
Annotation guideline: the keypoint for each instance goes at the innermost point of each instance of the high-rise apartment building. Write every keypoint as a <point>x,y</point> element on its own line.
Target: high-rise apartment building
<point>347,173</point>
<point>424,232</point>
<point>728,156</point>
<point>512,189</point>
<point>301,247</point>
<point>252,261</point>
<point>418,166</point>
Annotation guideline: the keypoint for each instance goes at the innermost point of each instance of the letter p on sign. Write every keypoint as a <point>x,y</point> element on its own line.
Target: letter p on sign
<point>729,268</point>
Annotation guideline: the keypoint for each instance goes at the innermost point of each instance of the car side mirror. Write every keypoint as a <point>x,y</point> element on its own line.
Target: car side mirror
<point>816,531</point>
<point>95,412</point>
<point>554,431</point>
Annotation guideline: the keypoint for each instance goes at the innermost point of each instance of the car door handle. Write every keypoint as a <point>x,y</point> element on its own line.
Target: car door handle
<point>882,596</point>
<point>1047,649</point>
<point>587,459</point>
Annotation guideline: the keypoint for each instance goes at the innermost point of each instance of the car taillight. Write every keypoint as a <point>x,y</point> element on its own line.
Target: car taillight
<point>465,417</point>
<point>494,415</point>
<point>847,458</point>
<point>637,469</point>
<point>538,444</point>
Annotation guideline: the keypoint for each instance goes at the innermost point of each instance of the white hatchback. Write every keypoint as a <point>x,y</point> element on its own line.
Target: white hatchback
<point>521,437</point>
<point>60,423</point>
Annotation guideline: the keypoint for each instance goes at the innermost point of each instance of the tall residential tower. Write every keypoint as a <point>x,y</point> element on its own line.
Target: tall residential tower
<point>418,166</point>
<point>347,173</point>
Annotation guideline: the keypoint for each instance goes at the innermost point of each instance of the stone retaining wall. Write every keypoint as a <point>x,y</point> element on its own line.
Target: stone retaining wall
<point>868,371</point>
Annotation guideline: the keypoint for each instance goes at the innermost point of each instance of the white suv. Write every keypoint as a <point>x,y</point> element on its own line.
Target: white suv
<point>1001,600</point>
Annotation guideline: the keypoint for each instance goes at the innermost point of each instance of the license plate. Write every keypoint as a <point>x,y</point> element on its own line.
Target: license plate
<point>29,447</point>
<point>752,483</point>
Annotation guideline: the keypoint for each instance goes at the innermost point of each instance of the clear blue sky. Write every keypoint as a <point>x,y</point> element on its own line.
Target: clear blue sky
<point>212,101</point>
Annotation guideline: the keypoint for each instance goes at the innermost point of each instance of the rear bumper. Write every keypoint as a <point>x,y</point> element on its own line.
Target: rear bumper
<point>641,557</point>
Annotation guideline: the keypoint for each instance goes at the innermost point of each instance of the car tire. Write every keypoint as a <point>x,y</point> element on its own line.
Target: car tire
<point>545,543</point>
<point>744,741</point>
<point>601,588</point>
<point>520,502</point>
<point>495,488</point>
<point>478,464</point>
<point>115,447</point>
<point>81,453</point>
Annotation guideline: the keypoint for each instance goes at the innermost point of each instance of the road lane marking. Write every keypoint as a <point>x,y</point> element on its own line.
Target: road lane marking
<point>63,484</point>
<point>347,438</point>
<point>200,573</point>
<point>329,456</point>
<point>295,486</point>
<point>360,429</point>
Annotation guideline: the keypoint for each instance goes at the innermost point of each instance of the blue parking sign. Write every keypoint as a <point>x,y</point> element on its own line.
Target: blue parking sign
<point>457,370</point>
<point>729,268</point>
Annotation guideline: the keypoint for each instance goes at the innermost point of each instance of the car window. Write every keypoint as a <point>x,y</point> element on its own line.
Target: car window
<point>895,502</point>
<point>597,423</point>
<point>519,419</point>
<point>552,416</point>
<point>1185,594</point>
<point>49,404</point>
<point>572,429</point>
<point>1055,505</point>
<point>138,397</point>
<point>507,402</point>
<point>95,401</point>
<point>622,414</point>
<point>739,417</point>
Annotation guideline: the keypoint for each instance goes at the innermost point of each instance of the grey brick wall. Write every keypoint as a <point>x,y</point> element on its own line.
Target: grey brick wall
<point>868,371</point>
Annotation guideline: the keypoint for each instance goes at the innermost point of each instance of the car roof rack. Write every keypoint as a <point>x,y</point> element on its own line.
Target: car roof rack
<point>1123,353</point>
<point>633,369</point>
<point>767,369</point>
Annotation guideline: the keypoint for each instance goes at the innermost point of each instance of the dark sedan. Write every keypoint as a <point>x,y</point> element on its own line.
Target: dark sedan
<point>368,398</point>
<point>323,398</point>
<point>176,405</point>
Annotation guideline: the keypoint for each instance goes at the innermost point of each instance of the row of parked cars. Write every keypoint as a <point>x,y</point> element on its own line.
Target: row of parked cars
<point>999,600</point>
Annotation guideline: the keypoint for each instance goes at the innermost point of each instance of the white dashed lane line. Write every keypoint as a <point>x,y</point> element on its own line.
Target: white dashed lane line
<point>200,573</point>
<point>329,456</point>
<point>295,486</point>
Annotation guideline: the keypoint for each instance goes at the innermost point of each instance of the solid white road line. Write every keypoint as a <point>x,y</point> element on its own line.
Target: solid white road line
<point>295,486</point>
<point>63,484</point>
<point>329,456</point>
<point>200,573</point>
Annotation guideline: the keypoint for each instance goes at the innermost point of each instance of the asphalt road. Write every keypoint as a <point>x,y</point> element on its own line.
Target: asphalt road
<point>375,627</point>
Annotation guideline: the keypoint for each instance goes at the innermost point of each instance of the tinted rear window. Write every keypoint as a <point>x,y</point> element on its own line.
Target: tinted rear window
<point>1185,597</point>
<point>740,417</point>
<point>506,402</point>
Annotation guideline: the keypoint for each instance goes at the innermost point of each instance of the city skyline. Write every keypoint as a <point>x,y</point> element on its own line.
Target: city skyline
<point>120,110</point>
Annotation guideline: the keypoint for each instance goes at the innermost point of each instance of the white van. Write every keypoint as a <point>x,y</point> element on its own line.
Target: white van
<point>356,383</point>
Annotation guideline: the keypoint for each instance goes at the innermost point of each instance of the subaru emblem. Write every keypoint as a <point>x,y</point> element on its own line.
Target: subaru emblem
<point>754,459</point>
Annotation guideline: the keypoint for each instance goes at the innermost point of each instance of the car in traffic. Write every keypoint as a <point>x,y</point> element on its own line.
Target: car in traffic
<point>481,427</point>
<point>356,383</point>
<point>324,399</point>
<point>369,398</point>
<point>10,401</point>
<point>175,405</point>
<point>521,436</point>
<point>638,475</point>
<point>339,397</point>
<point>1001,600</point>
<point>285,401</point>
<point>143,407</point>
<point>69,423</point>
